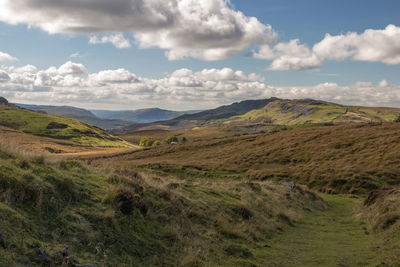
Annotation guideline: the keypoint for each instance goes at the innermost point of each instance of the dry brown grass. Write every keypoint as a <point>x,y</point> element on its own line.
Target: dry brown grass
<point>191,135</point>
<point>27,145</point>
<point>381,211</point>
<point>207,215</point>
<point>346,158</point>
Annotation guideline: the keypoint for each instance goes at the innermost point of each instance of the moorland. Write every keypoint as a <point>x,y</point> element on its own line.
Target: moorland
<point>258,183</point>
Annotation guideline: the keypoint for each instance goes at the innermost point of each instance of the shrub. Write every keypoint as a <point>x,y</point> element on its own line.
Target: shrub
<point>126,201</point>
<point>156,143</point>
<point>146,141</point>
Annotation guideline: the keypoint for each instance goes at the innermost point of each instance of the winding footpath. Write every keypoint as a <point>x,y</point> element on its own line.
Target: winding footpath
<point>333,237</point>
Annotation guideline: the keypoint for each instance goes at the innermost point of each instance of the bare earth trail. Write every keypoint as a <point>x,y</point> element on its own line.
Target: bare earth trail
<point>333,237</point>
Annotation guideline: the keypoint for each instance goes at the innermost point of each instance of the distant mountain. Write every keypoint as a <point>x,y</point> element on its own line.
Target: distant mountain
<point>77,113</point>
<point>267,114</point>
<point>141,115</point>
<point>227,111</point>
<point>59,110</point>
<point>199,119</point>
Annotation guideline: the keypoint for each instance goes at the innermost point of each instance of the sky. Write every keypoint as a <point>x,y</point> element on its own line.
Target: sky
<point>198,54</point>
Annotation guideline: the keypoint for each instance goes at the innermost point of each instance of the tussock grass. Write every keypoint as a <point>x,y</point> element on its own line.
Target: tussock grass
<point>381,211</point>
<point>151,218</point>
<point>346,158</point>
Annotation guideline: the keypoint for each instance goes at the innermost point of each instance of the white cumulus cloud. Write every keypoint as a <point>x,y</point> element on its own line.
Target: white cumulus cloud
<point>7,57</point>
<point>371,45</point>
<point>290,56</point>
<point>182,89</point>
<point>71,68</point>
<point>4,77</point>
<point>118,40</point>
<point>113,76</point>
<point>204,29</point>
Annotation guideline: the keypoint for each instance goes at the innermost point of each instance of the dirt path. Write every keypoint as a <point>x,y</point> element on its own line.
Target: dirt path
<point>326,238</point>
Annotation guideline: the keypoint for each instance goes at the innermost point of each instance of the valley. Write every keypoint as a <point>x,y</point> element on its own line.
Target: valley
<point>314,194</point>
<point>199,133</point>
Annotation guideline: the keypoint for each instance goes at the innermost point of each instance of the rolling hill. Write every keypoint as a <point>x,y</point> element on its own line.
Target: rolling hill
<point>228,111</point>
<point>77,113</point>
<point>308,111</point>
<point>355,165</point>
<point>253,116</point>
<point>217,199</point>
<point>56,127</point>
<point>354,158</point>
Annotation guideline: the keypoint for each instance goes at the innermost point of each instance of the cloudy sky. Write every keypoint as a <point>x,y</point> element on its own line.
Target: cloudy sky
<point>197,54</point>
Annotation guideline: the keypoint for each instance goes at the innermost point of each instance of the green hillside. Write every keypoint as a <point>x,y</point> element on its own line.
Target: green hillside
<point>267,115</point>
<point>124,218</point>
<point>223,201</point>
<point>296,112</point>
<point>77,113</point>
<point>228,110</point>
<point>56,127</point>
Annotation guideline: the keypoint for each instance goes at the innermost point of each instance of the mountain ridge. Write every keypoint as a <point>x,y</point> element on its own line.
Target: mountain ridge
<point>267,114</point>
<point>145,115</point>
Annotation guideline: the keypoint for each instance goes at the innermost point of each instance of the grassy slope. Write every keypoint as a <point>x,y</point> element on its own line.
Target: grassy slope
<point>157,218</point>
<point>333,237</point>
<point>381,210</point>
<point>295,112</point>
<point>345,158</point>
<point>271,114</point>
<point>76,113</point>
<point>66,129</point>
<point>187,208</point>
<point>359,159</point>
